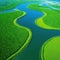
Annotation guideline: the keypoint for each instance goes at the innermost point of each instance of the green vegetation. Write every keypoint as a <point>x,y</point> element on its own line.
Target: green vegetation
<point>51,50</point>
<point>13,37</point>
<point>51,19</point>
<point>10,6</point>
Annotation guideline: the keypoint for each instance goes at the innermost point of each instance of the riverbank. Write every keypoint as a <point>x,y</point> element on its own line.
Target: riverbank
<point>51,16</point>
<point>50,49</point>
<point>33,50</point>
<point>13,37</point>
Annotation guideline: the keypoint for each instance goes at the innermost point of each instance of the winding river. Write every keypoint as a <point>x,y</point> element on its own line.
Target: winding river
<point>39,35</point>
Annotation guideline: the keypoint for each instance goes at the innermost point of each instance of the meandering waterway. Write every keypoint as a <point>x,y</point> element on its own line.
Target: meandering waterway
<point>39,35</point>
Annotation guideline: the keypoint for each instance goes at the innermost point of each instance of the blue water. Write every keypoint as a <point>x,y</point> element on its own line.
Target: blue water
<point>39,35</point>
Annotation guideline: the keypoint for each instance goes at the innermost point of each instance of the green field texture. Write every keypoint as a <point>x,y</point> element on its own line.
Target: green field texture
<point>13,37</point>
<point>50,49</point>
<point>51,19</point>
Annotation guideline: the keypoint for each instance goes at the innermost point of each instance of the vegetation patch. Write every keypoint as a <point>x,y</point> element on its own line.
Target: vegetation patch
<point>51,19</point>
<point>13,37</point>
<point>50,49</point>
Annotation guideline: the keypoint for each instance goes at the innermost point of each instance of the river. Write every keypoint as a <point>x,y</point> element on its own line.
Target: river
<point>40,35</point>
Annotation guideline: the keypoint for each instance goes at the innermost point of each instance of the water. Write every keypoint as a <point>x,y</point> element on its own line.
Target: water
<point>39,35</point>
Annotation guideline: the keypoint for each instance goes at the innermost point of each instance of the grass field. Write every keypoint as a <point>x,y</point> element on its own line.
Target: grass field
<point>51,20</point>
<point>13,37</point>
<point>51,49</point>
